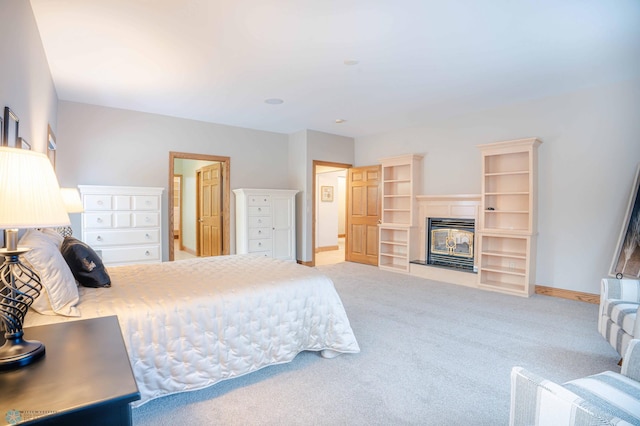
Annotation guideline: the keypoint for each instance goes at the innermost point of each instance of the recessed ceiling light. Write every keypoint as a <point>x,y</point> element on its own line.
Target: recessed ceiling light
<point>340,120</point>
<point>351,62</point>
<point>273,101</point>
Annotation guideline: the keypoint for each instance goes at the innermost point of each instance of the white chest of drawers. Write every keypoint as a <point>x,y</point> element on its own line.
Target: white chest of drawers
<point>123,223</point>
<point>265,222</point>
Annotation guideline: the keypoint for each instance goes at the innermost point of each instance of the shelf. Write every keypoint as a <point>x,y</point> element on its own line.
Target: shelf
<point>515,271</point>
<point>395,267</point>
<point>507,211</point>
<point>506,183</point>
<point>395,243</point>
<point>397,181</point>
<point>517,172</point>
<point>505,254</point>
<point>397,256</point>
<point>500,286</point>
<point>506,232</point>
<point>506,193</point>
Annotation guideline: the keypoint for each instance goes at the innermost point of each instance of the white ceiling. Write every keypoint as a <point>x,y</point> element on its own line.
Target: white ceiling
<point>419,60</point>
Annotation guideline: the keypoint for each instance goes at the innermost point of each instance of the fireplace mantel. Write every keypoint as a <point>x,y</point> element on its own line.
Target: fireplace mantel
<point>466,206</point>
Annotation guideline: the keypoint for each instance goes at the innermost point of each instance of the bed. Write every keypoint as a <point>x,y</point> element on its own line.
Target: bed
<point>191,323</point>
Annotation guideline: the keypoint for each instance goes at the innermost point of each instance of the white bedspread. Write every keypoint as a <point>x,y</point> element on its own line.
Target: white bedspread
<point>191,323</point>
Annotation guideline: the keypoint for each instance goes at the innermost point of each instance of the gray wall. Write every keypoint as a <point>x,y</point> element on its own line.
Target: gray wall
<point>25,80</point>
<point>107,146</point>
<point>305,147</point>
<point>587,162</point>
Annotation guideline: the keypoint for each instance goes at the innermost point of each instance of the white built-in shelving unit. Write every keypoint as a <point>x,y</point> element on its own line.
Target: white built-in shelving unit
<point>507,231</point>
<point>398,238</point>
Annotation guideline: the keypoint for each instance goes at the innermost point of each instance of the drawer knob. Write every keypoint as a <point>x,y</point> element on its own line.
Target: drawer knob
<point>259,232</point>
<point>259,209</point>
<point>100,202</point>
<point>99,220</point>
<point>260,244</point>
<point>99,238</point>
<point>147,253</point>
<point>147,236</point>
<point>147,219</point>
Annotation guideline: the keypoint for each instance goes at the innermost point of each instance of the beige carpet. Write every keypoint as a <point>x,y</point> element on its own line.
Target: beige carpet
<point>432,354</point>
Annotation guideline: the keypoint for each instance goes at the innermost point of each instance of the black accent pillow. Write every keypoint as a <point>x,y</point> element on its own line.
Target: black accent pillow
<point>85,264</point>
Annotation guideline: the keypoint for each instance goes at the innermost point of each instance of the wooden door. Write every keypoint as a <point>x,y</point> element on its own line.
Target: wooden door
<point>209,210</point>
<point>363,214</point>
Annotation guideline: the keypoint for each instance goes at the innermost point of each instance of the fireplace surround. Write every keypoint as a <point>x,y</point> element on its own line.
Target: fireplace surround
<point>456,206</point>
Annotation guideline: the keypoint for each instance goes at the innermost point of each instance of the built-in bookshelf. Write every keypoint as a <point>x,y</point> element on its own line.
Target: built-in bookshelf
<point>508,216</point>
<point>398,238</point>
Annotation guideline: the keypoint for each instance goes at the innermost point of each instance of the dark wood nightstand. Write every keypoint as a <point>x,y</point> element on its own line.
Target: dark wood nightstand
<point>85,377</point>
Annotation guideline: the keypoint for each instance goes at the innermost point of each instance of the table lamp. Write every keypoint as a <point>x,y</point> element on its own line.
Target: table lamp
<point>30,198</point>
<point>73,204</point>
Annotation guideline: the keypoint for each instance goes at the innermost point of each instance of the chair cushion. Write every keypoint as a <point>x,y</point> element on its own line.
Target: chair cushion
<point>611,393</point>
<point>622,313</point>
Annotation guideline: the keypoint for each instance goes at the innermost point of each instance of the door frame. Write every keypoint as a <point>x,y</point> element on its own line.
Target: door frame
<point>180,206</point>
<point>314,200</point>
<point>226,195</point>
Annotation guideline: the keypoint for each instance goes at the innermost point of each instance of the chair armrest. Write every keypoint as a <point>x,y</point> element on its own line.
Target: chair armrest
<point>537,401</point>
<point>631,361</point>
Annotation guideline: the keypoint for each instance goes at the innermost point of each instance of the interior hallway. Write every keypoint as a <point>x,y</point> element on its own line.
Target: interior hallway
<point>180,254</point>
<point>331,256</point>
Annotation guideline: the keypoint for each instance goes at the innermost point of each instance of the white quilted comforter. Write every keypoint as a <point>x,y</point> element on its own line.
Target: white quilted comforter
<point>191,323</point>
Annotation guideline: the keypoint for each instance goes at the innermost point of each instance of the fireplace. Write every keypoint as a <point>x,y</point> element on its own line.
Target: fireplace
<point>450,243</point>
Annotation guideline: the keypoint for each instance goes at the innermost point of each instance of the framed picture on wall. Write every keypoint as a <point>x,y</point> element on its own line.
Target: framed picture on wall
<point>23,144</point>
<point>51,147</point>
<point>11,124</point>
<point>626,260</point>
<point>326,193</point>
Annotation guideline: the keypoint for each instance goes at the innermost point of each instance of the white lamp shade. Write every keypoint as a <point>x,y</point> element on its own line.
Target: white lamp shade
<point>29,192</point>
<point>71,199</point>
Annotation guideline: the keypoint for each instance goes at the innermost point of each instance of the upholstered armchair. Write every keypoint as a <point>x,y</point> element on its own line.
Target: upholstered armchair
<point>618,319</point>
<point>607,398</point>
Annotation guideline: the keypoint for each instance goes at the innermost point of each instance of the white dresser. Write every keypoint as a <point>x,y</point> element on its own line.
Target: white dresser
<point>266,222</point>
<point>122,223</point>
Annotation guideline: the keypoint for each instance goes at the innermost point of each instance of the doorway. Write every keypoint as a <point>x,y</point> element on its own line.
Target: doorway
<point>329,212</point>
<point>184,222</point>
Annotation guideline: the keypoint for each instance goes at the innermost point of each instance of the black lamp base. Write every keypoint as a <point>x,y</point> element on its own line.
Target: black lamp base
<point>17,352</point>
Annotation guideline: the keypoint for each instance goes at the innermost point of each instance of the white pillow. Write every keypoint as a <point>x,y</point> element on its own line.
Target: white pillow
<point>59,293</point>
<point>53,235</point>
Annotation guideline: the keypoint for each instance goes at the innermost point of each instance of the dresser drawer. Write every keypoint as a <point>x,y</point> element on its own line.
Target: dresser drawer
<point>259,211</point>
<point>97,202</point>
<point>257,233</point>
<point>145,202</point>
<point>130,255</point>
<point>259,245</point>
<point>98,220</point>
<point>123,237</point>
<point>142,220</point>
<point>267,253</point>
<point>259,222</point>
<point>259,200</point>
